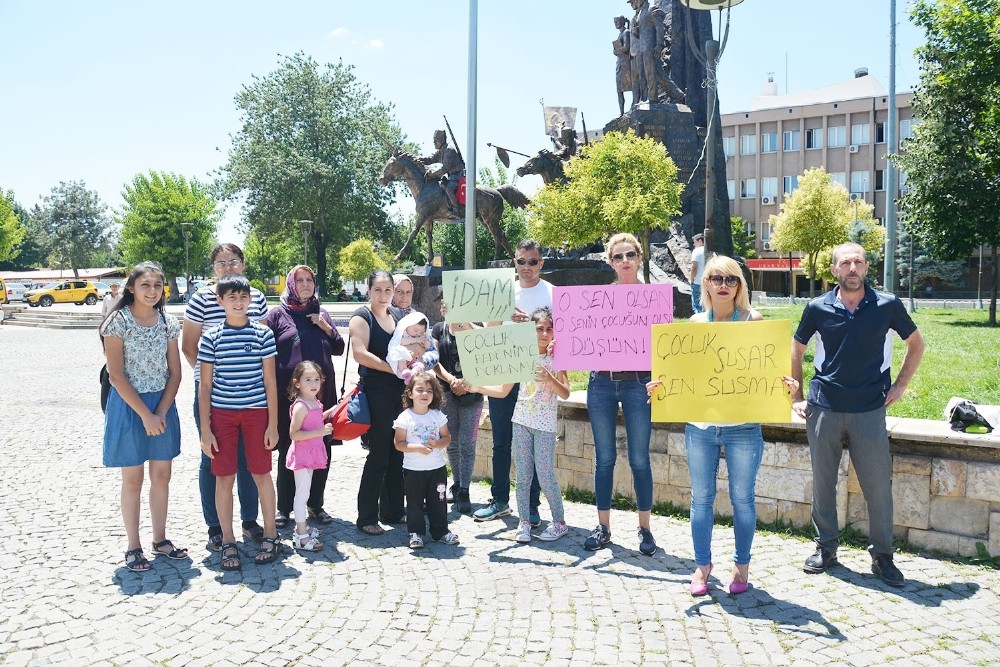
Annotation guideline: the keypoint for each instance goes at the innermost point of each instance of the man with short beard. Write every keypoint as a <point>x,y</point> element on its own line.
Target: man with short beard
<point>848,397</point>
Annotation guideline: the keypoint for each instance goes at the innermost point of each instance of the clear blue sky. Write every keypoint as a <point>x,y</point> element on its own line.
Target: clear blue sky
<point>101,91</point>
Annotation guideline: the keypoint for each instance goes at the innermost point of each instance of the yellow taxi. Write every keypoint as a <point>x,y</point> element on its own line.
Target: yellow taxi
<point>3,292</point>
<point>63,291</point>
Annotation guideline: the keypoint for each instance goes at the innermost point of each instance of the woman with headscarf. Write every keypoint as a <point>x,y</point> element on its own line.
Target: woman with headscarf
<point>303,331</point>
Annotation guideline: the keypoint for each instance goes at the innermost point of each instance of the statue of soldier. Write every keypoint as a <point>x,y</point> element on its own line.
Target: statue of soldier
<point>565,144</point>
<point>451,169</point>
<point>647,43</point>
<point>670,90</point>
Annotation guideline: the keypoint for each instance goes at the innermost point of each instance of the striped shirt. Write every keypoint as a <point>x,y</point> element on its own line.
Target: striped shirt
<point>203,308</point>
<point>238,355</point>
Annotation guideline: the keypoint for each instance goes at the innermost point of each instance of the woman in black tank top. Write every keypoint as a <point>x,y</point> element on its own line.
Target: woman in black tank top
<point>380,495</point>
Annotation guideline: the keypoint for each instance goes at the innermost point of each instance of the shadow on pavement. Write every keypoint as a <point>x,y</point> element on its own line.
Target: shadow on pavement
<point>164,577</point>
<point>758,604</point>
<point>913,590</point>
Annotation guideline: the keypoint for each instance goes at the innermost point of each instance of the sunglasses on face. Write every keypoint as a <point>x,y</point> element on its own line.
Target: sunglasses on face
<point>620,256</point>
<point>731,281</point>
<point>520,261</point>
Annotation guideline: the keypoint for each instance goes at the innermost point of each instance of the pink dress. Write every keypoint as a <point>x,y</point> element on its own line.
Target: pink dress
<point>308,454</point>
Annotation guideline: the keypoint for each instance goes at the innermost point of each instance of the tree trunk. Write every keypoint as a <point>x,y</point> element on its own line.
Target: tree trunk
<point>996,287</point>
<point>645,253</point>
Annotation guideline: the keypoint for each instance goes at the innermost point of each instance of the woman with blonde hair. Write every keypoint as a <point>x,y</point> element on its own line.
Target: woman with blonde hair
<point>605,391</point>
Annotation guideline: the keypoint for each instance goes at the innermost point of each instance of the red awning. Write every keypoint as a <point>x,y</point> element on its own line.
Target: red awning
<point>774,264</point>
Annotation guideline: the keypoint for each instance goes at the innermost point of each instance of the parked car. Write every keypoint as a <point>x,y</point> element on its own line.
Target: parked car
<point>16,291</point>
<point>102,288</point>
<point>3,292</point>
<point>63,291</point>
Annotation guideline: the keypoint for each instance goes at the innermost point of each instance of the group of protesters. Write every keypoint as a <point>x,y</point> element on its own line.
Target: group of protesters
<point>264,380</point>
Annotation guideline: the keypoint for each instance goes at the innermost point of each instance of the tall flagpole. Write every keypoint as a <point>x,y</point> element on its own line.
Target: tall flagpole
<point>892,187</point>
<point>470,142</point>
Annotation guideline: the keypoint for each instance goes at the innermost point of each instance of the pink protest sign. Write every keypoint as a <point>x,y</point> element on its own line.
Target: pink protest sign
<point>608,327</point>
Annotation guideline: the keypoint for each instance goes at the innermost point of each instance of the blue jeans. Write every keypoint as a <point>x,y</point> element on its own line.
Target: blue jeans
<point>246,488</point>
<point>696,297</point>
<point>744,448</point>
<point>603,397</point>
<point>501,413</point>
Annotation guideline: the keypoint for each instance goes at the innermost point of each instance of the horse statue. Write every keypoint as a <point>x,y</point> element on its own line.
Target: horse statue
<point>546,164</point>
<point>432,203</point>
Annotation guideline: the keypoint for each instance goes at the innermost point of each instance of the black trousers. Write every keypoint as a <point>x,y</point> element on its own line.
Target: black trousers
<point>422,487</point>
<point>380,494</point>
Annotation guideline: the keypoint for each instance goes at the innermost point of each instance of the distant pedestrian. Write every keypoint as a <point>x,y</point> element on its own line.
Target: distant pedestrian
<point>697,271</point>
<point>848,396</point>
<point>141,423</point>
<point>422,436</point>
<point>110,300</point>
<point>307,452</point>
<point>535,422</point>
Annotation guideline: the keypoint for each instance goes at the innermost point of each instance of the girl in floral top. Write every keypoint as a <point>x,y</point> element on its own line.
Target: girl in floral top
<point>141,424</point>
<point>534,442</point>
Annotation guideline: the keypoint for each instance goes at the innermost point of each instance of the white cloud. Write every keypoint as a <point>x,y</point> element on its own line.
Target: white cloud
<point>338,32</point>
<point>376,44</point>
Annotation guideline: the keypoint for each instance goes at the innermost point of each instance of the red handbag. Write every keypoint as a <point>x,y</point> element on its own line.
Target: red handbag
<point>351,418</point>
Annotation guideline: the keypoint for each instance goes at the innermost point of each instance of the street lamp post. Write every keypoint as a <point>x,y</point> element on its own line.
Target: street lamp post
<point>306,225</point>
<point>710,59</point>
<point>186,232</point>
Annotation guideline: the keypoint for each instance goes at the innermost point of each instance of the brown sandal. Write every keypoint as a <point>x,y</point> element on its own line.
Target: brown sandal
<point>373,529</point>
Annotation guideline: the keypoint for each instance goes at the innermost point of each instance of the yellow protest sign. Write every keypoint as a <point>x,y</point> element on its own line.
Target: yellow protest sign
<point>722,372</point>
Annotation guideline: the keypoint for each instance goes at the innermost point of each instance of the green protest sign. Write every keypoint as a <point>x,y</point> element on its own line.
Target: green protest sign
<point>481,295</point>
<point>498,355</point>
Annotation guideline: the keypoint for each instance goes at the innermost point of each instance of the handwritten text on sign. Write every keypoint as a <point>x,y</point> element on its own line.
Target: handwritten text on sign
<point>482,295</point>
<point>722,372</point>
<point>498,355</point>
<point>607,327</point>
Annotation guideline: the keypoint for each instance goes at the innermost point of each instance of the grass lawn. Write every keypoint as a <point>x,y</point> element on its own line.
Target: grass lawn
<point>962,359</point>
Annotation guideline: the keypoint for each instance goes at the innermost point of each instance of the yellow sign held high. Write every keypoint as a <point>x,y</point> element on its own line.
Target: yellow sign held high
<point>723,372</point>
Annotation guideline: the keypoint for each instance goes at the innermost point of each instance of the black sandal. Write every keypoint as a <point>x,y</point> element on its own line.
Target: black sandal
<point>230,552</point>
<point>138,562</point>
<point>267,551</point>
<point>281,520</point>
<point>173,554</point>
<point>254,533</point>
<point>320,515</point>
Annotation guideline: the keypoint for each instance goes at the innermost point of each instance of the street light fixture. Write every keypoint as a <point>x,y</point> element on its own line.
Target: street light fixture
<point>306,225</point>
<point>710,59</point>
<point>186,232</point>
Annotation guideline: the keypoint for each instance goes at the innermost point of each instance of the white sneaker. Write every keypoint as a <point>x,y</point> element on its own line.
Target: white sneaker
<point>416,542</point>
<point>523,534</point>
<point>555,530</point>
<point>450,538</point>
<point>305,542</point>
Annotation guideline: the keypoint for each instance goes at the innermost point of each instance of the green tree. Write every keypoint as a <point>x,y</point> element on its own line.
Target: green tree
<point>75,223</point>
<point>925,266</point>
<point>744,240</point>
<point>358,259</point>
<point>12,232</point>
<point>953,160</point>
<point>160,208</point>
<point>451,241</point>
<point>268,257</point>
<point>814,218</point>
<point>622,183</point>
<point>312,144</point>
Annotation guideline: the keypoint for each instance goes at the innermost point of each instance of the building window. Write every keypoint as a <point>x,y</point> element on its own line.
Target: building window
<point>748,188</point>
<point>791,141</point>
<point>731,189</point>
<point>880,178</point>
<point>836,136</point>
<point>859,181</point>
<point>769,186</point>
<point>838,177</point>
<point>789,184</point>
<point>903,178</point>
<point>860,134</point>
<point>729,146</point>
<point>768,142</point>
<point>748,144</point>
<point>765,232</point>
<point>880,132</point>
<point>814,138</point>
<point>905,129</point>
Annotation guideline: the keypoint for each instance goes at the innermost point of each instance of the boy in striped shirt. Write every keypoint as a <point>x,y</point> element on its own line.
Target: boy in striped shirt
<point>239,395</point>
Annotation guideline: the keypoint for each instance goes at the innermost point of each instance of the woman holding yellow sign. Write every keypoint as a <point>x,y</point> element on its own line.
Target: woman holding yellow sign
<point>724,298</point>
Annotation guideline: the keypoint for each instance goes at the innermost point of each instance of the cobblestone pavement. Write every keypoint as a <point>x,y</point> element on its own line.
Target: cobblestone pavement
<point>67,597</point>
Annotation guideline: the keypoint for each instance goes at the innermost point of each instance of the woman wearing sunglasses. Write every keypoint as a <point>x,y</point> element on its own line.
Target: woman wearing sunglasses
<point>724,298</point>
<point>604,393</point>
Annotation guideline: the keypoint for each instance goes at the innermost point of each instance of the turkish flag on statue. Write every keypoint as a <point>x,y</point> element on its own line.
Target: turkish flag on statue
<point>460,191</point>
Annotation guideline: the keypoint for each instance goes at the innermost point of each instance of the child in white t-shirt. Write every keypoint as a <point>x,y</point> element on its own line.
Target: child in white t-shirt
<point>422,435</point>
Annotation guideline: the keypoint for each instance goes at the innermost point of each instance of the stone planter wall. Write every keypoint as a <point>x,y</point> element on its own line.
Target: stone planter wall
<point>946,485</point>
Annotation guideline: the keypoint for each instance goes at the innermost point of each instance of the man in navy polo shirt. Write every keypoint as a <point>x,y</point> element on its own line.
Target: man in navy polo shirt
<point>848,397</point>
